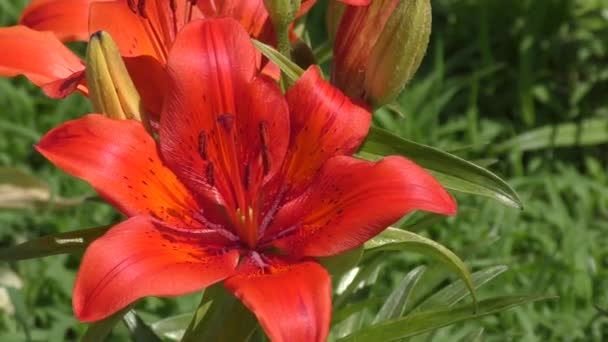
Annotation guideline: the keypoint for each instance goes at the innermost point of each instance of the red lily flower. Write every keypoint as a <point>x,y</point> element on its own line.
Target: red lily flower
<point>240,172</point>
<point>143,30</point>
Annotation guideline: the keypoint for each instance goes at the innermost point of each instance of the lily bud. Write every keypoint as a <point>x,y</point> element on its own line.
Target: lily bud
<point>379,48</point>
<point>111,89</point>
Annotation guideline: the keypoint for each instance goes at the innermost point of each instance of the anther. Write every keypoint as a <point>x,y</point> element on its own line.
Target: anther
<point>226,120</point>
<point>202,145</point>
<point>209,174</point>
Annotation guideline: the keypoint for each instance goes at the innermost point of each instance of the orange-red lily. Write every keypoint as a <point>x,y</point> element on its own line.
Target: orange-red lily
<point>144,31</point>
<point>244,185</point>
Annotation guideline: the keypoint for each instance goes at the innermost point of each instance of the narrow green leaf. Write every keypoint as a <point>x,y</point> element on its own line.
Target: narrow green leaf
<point>395,304</point>
<point>474,336</point>
<point>342,262</point>
<point>585,133</point>
<point>471,178</point>
<point>21,314</point>
<point>172,327</point>
<point>291,70</point>
<point>68,242</point>
<point>402,240</point>
<point>345,312</point>
<point>422,322</point>
<point>18,190</point>
<point>140,331</point>
<point>225,319</point>
<point>98,331</point>
<point>456,291</point>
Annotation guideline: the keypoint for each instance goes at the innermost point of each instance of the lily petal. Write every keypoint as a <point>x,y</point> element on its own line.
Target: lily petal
<point>67,19</point>
<point>324,123</point>
<point>138,258</point>
<point>291,301</point>
<point>40,57</point>
<point>353,200</point>
<point>251,14</point>
<point>120,160</point>
<point>231,123</point>
<point>133,35</point>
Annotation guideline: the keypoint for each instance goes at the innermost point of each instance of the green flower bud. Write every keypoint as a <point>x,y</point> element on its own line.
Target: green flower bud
<point>111,89</point>
<point>379,47</point>
<point>399,51</point>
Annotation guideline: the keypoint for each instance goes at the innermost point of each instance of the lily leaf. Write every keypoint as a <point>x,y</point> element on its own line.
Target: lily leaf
<point>584,133</point>
<point>457,173</point>
<point>172,327</point>
<point>402,240</point>
<point>422,322</point>
<point>291,69</point>
<point>338,264</point>
<point>68,242</point>
<point>99,330</point>
<point>19,190</point>
<point>140,331</point>
<point>223,318</point>
<point>456,291</point>
<point>395,304</point>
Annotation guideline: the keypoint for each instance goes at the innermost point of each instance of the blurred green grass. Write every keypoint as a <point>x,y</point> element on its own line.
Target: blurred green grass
<point>494,71</point>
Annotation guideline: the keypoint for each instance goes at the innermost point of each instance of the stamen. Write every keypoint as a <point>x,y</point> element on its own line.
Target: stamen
<point>226,120</point>
<point>264,148</point>
<point>271,212</point>
<point>202,145</point>
<point>257,258</point>
<point>209,174</point>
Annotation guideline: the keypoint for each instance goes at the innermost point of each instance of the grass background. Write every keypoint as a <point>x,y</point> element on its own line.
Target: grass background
<point>519,86</point>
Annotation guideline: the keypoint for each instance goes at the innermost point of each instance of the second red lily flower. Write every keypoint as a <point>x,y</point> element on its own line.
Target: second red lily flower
<point>246,185</point>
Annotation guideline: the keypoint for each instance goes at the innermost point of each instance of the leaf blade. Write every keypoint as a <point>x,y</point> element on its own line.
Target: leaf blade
<point>479,180</point>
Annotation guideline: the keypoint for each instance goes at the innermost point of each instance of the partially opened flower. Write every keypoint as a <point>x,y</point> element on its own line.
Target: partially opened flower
<point>245,185</point>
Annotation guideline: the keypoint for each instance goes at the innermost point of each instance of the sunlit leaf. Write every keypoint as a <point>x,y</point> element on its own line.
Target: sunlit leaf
<point>460,175</point>
<point>289,68</point>
<point>587,132</point>
<point>422,322</point>
<point>172,327</point>
<point>140,331</point>
<point>221,317</point>
<point>69,242</point>
<point>342,262</point>
<point>98,331</point>
<point>395,304</point>
<point>19,190</point>
<point>456,291</point>
<point>402,240</point>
